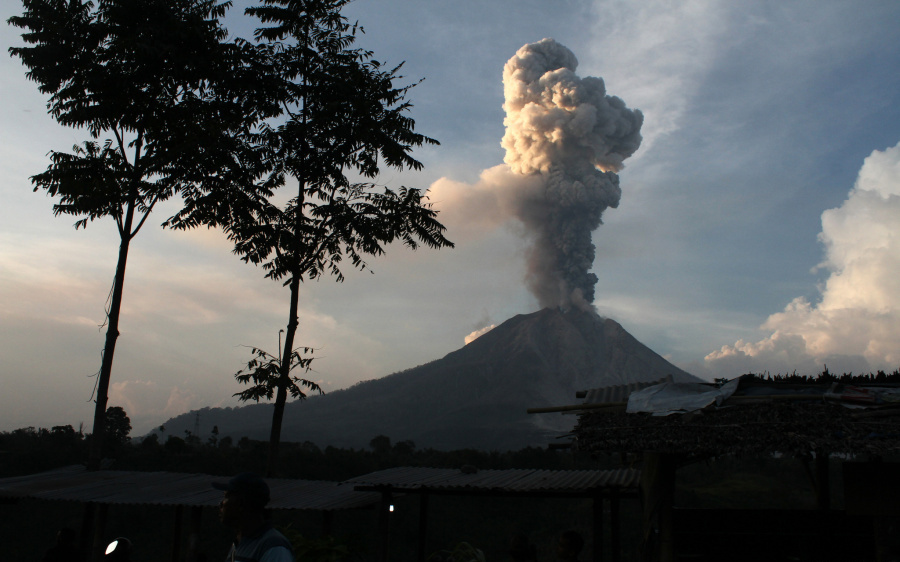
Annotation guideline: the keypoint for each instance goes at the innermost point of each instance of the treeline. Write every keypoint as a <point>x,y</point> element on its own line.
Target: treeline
<point>826,376</point>
<point>484,522</point>
<point>29,450</point>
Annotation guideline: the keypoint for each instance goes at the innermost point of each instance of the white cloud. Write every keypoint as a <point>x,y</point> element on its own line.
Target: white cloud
<point>856,321</point>
<point>147,402</point>
<point>654,55</point>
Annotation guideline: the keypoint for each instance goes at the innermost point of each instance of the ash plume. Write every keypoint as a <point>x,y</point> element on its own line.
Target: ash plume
<point>567,132</point>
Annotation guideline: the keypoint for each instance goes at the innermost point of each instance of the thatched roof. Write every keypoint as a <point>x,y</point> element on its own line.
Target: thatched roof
<point>789,415</point>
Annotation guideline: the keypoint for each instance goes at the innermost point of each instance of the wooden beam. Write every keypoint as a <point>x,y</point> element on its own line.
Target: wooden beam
<point>612,406</point>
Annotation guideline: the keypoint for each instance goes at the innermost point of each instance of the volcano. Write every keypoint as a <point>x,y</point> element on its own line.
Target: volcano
<point>474,397</point>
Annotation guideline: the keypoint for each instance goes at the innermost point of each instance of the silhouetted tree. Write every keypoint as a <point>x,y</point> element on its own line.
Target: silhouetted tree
<point>162,98</point>
<point>341,114</point>
<point>118,427</point>
<point>404,448</point>
<point>175,444</point>
<point>151,442</point>
<point>380,444</point>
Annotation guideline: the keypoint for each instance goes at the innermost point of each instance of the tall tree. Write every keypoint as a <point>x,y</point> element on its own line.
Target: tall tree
<point>163,98</point>
<point>341,115</point>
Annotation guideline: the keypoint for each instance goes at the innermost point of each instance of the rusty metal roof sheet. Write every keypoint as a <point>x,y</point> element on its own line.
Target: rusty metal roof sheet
<point>620,392</point>
<point>509,481</point>
<point>75,483</point>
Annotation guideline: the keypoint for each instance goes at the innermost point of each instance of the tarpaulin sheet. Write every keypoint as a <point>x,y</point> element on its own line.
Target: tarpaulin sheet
<point>678,397</point>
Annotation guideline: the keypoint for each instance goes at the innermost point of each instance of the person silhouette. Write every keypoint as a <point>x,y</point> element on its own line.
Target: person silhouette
<point>243,510</point>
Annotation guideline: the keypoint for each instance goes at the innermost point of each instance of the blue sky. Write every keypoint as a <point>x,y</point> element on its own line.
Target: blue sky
<point>760,120</point>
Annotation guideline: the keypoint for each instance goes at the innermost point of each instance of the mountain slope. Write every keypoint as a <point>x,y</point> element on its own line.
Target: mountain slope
<point>473,397</point>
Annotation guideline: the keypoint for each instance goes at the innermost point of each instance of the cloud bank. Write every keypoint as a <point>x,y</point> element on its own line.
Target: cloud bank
<point>855,323</point>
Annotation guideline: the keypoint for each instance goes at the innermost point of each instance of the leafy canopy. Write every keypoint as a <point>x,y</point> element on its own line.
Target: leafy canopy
<point>340,113</point>
<point>154,76</point>
<point>263,375</point>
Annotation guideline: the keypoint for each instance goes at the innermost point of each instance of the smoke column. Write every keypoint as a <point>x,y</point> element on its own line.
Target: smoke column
<point>567,131</point>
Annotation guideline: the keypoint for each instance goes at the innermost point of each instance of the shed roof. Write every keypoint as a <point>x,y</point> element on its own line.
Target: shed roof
<point>794,415</point>
<point>75,483</point>
<point>510,482</point>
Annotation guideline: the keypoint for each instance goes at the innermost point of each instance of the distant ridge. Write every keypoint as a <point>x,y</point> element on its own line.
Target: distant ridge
<point>474,397</point>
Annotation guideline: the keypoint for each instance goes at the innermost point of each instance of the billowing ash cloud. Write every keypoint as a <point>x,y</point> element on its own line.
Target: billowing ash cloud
<point>569,133</point>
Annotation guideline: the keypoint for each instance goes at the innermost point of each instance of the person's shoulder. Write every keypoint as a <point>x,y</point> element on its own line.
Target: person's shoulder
<point>273,538</point>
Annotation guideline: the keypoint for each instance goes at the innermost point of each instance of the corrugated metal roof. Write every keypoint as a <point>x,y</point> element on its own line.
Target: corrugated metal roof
<point>509,481</point>
<point>620,392</point>
<point>75,483</point>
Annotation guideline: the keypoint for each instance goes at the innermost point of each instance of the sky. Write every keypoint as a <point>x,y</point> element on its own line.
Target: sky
<point>756,228</point>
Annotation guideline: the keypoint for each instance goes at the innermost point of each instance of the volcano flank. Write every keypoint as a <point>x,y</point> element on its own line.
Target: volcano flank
<point>474,397</point>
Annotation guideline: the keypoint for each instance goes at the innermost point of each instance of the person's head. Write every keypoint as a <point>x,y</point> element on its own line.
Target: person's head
<point>569,545</point>
<point>246,496</point>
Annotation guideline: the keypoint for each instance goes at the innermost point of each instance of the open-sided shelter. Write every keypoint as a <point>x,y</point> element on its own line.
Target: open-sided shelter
<point>186,493</point>
<point>668,424</point>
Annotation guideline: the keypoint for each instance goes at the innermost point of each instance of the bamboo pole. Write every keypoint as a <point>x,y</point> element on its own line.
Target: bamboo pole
<point>576,407</point>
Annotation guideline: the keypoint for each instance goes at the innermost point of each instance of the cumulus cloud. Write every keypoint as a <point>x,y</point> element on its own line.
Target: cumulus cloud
<point>147,403</point>
<point>855,323</point>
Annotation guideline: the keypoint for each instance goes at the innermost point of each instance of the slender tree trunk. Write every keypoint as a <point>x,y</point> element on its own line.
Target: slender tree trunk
<point>284,377</point>
<point>109,348</point>
<point>293,320</point>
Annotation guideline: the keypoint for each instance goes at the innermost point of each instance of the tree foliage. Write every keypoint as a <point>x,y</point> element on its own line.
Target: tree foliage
<point>118,427</point>
<point>263,375</point>
<point>340,116</point>
<point>165,101</point>
<point>340,113</point>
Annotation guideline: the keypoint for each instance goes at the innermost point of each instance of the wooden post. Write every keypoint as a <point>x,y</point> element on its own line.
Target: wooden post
<point>823,481</point>
<point>194,533</point>
<point>98,542</point>
<point>615,527</point>
<point>384,523</point>
<point>86,540</point>
<point>176,539</point>
<point>657,494</point>
<point>423,527</point>
<point>823,503</point>
<point>598,528</point>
